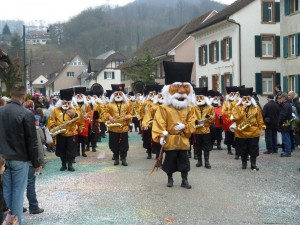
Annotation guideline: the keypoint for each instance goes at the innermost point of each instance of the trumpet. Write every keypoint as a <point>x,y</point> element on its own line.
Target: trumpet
<point>115,123</point>
<point>62,127</point>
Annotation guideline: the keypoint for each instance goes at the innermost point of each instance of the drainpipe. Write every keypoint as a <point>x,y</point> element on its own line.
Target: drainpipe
<point>240,51</point>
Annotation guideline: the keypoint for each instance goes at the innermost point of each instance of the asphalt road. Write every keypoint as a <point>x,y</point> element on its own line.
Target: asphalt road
<point>100,193</point>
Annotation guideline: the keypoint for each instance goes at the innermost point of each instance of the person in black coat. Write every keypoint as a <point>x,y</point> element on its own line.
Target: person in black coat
<point>270,114</point>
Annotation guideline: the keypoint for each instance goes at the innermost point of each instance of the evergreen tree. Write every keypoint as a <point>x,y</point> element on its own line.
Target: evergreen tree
<point>6,30</point>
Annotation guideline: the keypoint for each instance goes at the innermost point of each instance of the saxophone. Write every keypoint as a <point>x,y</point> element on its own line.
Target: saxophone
<point>115,124</point>
<point>246,123</point>
<point>62,127</point>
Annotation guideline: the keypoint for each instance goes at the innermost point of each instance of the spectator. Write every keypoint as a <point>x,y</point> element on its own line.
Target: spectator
<point>42,119</point>
<point>270,114</point>
<point>3,206</point>
<point>284,119</point>
<point>278,92</point>
<point>29,104</point>
<point>19,145</point>
<point>39,103</point>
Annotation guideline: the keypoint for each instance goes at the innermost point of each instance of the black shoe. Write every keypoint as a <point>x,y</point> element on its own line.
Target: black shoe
<point>236,157</point>
<point>149,156</point>
<point>24,210</point>
<point>185,184</point>
<point>207,165</point>
<point>229,153</point>
<point>94,150</point>
<point>37,211</point>
<point>73,161</point>
<point>124,163</point>
<point>84,155</point>
<point>255,168</point>
<point>70,167</point>
<point>267,152</point>
<point>63,166</point>
<point>285,155</point>
<point>116,162</point>
<point>199,163</point>
<point>170,182</point>
<point>244,165</point>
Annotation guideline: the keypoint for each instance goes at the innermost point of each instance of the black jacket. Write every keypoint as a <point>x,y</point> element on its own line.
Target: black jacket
<point>270,114</point>
<point>18,134</point>
<point>284,116</point>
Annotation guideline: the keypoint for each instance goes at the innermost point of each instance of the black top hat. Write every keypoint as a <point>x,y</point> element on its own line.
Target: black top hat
<point>108,93</point>
<point>131,93</point>
<point>89,92</point>
<point>80,90</point>
<point>270,97</point>
<point>201,91</point>
<point>212,93</point>
<point>177,72</point>
<point>245,91</point>
<point>66,94</point>
<point>231,89</point>
<point>118,87</point>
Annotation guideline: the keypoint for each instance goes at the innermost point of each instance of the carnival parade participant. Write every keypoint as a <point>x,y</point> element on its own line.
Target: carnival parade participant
<point>227,106</point>
<point>205,116</point>
<point>249,126</point>
<point>218,126</point>
<point>119,114</point>
<point>174,121</point>
<point>64,120</point>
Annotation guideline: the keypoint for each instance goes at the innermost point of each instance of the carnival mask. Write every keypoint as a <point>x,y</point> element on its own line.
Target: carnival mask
<point>80,98</point>
<point>65,105</point>
<point>246,100</point>
<point>200,100</point>
<point>118,96</point>
<point>231,96</point>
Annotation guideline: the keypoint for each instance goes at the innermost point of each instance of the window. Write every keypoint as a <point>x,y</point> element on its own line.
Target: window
<point>214,52</point>
<point>203,55</point>
<point>109,75</point>
<point>270,11</point>
<point>267,46</point>
<point>215,82</point>
<point>267,83</point>
<point>226,49</point>
<point>118,63</point>
<point>291,6</point>
<point>77,62</point>
<point>70,74</point>
<point>203,81</point>
<point>291,45</point>
<point>124,77</point>
<point>292,83</point>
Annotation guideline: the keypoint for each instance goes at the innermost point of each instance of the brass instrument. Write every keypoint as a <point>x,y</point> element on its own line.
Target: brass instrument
<point>62,127</point>
<point>200,123</point>
<point>115,123</point>
<point>246,123</point>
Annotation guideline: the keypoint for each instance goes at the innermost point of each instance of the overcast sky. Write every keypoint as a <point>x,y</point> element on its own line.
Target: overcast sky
<point>54,10</point>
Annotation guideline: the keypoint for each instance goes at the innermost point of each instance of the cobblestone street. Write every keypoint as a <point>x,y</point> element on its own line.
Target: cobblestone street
<point>100,193</point>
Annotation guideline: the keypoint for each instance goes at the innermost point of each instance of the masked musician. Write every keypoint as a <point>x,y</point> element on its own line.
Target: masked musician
<point>119,114</point>
<point>174,121</point>
<point>249,125</point>
<point>148,120</point>
<point>218,126</point>
<point>205,116</point>
<point>64,113</point>
<point>83,108</point>
<point>227,106</point>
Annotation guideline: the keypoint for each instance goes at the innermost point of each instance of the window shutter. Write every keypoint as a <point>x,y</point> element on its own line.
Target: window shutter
<point>210,52</point>
<point>265,11</point>
<point>257,46</point>
<point>205,47</point>
<point>277,11</point>
<point>297,83</point>
<point>105,75</point>
<point>113,75</point>
<point>297,39</point>
<point>285,83</point>
<point>230,79</point>
<point>217,49</point>
<point>286,7</point>
<point>230,48</point>
<point>206,81</point>
<point>200,82</point>
<point>222,84</point>
<point>277,46</point>
<point>285,47</point>
<point>258,83</point>
<point>200,55</point>
<point>277,79</point>
<point>222,49</point>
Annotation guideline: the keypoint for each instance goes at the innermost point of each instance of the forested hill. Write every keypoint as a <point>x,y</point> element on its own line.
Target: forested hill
<point>98,30</point>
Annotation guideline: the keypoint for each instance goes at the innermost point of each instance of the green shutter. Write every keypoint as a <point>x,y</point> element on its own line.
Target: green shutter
<point>297,37</point>
<point>257,46</point>
<point>265,16</point>
<point>113,75</point>
<point>105,75</point>
<point>230,79</point>
<point>206,80</point>
<point>230,48</point>
<point>258,83</point>
<point>277,79</point>
<point>277,11</point>
<point>200,55</point>
<point>217,49</point>
<point>222,84</point>
<point>222,49</point>
<point>209,52</point>
<point>200,82</point>
<point>285,47</point>
<point>285,83</point>
<point>297,88</point>
<point>286,7</point>
<point>205,47</point>
<point>277,46</point>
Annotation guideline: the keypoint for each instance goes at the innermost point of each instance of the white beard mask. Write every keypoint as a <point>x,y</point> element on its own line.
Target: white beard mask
<point>118,99</point>
<point>200,103</point>
<point>65,107</point>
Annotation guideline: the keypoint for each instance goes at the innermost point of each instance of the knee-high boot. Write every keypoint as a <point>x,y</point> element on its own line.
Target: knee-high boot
<point>229,150</point>
<point>185,183</point>
<point>206,160</point>
<point>244,162</point>
<point>170,180</point>
<point>63,165</point>
<point>70,166</point>
<point>199,163</point>
<point>253,163</point>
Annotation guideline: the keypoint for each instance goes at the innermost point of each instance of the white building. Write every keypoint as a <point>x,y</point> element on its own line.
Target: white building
<point>240,46</point>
